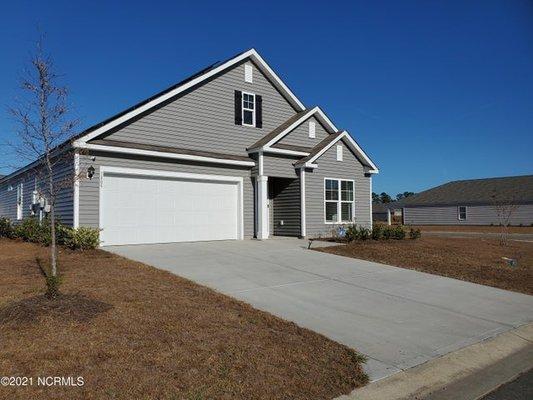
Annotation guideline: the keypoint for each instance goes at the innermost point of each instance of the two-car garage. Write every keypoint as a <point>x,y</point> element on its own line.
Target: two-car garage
<point>142,207</point>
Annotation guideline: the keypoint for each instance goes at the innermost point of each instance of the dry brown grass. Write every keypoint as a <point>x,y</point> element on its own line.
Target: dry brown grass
<point>135,332</point>
<point>470,259</point>
<point>474,228</point>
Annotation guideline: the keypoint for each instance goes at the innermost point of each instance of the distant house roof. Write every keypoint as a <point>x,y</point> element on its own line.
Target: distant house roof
<point>512,190</point>
<point>383,207</point>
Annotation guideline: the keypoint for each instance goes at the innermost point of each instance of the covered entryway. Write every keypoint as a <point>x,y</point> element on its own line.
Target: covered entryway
<point>142,207</point>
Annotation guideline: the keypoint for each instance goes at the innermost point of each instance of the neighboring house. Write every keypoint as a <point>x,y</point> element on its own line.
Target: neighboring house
<point>472,202</point>
<point>387,212</point>
<point>229,153</point>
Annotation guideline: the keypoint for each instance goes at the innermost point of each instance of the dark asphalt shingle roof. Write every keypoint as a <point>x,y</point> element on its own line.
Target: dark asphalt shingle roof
<point>269,136</point>
<point>319,147</point>
<point>165,149</point>
<point>513,189</point>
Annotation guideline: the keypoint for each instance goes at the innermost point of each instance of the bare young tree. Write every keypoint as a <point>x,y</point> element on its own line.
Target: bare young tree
<point>43,125</point>
<point>504,205</point>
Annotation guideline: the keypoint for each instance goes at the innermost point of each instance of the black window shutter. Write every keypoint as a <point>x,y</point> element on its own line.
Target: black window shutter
<point>238,107</point>
<point>259,111</point>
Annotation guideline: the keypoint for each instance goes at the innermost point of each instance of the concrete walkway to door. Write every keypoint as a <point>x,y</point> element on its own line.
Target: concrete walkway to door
<point>397,317</point>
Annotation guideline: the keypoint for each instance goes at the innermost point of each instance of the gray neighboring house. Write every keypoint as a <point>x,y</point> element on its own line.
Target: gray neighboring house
<point>471,202</point>
<point>228,153</point>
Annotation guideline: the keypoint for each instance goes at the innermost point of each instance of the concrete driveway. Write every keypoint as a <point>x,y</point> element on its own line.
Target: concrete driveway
<point>397,317</point>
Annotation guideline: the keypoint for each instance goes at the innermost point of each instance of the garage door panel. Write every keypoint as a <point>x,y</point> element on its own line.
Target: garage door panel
<point>143,209</point>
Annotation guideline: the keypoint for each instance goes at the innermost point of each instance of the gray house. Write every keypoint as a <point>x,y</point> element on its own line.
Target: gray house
<point>472,202</point>
<point>229,153</point>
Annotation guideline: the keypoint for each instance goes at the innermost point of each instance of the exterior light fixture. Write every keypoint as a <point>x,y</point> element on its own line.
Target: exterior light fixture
<point>90,172</point>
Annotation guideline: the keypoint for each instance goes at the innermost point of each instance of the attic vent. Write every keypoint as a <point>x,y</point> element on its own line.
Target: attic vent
<point>339,152</point>
<point>312,129</point>
<point>248,73</point>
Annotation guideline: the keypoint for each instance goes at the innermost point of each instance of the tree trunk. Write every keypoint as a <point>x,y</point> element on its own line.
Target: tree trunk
<point>53,247</point>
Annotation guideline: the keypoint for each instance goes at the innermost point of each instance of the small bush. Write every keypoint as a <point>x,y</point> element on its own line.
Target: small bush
<point>364,233</point>
<point>30,230</point>
<point>6,228</point>
<point>352,233</point>
<point>398,233</point>
<point>387,232</point>
<point>414,233</point>
<point>377,231</point>
<point>83,238</point>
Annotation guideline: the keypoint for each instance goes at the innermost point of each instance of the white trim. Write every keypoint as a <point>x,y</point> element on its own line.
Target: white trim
<point>188,157</point>
<point>306,165</point>
<point>252,53</point>
<point>284,151</point>
<point>262,207</point>
<point>278,151</point>
<point>260,166</point>
<point>20,201</point>
<point>319,113</point>
<point>370,200</point>
<point>178,175</point>
<point>356,148</point>
<point>303,227</point>
<point>76,212</point>
<point>339,201</point>
<point>253,110</point>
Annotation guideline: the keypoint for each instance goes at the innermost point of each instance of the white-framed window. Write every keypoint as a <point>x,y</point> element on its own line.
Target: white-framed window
<point>461,213</point>
<point>338,201</point>
<point>20,200</point>
<point>312,129</point>
<point>339,152</point>
<point>248,73</point>
<point>248,109</point>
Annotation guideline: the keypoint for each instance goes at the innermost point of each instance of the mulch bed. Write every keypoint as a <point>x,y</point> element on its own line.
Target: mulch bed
<point>475,260</point>
<point>132,331</point>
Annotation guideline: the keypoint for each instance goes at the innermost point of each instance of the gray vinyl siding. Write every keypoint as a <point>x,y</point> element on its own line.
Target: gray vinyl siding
<point>279,166</point>
<point>329,167</point>
<point>299,136</point>
<point>286,207</point>
<point>476,215</point>
<point>203,119</point>
<point>89,189</point>
<point>32,180</point>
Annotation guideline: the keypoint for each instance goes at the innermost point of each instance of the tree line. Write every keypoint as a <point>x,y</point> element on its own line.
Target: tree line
<point>386,198</point>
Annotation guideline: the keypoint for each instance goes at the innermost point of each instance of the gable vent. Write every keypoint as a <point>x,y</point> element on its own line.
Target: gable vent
<point>312,129</point>
<point>339,152</point>
<point>248,73</point>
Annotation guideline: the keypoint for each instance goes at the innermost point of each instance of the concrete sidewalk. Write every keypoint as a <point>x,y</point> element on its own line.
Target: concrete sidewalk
<point>399,318</point>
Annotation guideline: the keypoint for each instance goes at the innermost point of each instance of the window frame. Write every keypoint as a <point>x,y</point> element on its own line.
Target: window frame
<point>248,109</point>
<point>339,201</point>
<point>459,213</point>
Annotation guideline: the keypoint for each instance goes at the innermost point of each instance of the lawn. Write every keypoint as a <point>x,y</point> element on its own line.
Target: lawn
<point>470,259</point>
<point>133,331</point>
<point>474,228</point>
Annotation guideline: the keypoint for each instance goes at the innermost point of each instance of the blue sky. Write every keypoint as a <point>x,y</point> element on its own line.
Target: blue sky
<point>433,90</point>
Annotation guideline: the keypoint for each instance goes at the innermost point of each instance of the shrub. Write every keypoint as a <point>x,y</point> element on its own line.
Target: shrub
<point>398,233</point>
<point>83,238</point>
<point>414,233</point>
<point>6,228</point>
<point>387,232</point>
<point>364,233</point>
<point>352,233</point>
<point>30,230</point>
<point>377,231</point>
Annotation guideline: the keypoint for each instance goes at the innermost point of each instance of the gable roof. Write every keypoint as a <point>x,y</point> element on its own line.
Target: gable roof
<point>188,83</point>
<point>327,143</point>
<point>513,189</point>
<point>288,126</point>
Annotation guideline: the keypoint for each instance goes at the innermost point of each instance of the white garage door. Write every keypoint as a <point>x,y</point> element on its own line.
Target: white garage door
<point>137,209</point>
